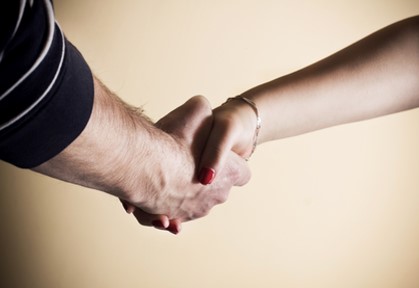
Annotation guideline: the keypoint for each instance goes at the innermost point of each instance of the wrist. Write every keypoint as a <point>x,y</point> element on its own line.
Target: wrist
<point>252,105</point>
<point>240,117</point>
<point>99,157</point>
<point>147,178</point>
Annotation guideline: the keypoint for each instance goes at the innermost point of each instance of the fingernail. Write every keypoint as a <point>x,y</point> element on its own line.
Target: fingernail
<point>157,224</point>
<point>206,176</point>
<point>173,229</point>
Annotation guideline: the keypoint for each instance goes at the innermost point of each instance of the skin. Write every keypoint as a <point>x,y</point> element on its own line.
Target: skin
<point>122,153</point>
<point>150,167</point>
<point>376,76</point>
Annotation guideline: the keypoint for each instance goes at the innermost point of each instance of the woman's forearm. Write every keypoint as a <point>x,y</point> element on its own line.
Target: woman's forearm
<point>376,76</point>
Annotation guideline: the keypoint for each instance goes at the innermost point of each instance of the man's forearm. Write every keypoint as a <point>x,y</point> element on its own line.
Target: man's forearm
<point>100,156</point>
<point>121,152</point>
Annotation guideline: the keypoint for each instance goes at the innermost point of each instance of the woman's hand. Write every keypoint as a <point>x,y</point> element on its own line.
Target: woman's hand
<point>234,126</point>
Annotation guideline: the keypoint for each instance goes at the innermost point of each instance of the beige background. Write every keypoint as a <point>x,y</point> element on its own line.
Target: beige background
<point>333,208</point>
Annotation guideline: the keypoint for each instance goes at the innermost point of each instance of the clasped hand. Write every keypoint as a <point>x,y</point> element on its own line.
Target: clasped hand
<point>180,196</point>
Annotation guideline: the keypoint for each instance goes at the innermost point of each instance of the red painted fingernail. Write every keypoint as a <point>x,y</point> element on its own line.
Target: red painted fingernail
<point>173,229</point>
<point>206,176</point>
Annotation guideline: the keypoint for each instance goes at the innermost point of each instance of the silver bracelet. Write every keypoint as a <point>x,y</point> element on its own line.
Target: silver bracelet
<point>258,120</point>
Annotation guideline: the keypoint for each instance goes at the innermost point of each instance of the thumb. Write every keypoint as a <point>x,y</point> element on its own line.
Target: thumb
<point>215,153</point>
<point>190,122</point>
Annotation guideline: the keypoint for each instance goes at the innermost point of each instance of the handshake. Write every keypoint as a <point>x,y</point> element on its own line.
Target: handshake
<point>165,173</point>
<point>177,169</point>
<point>184,177</point>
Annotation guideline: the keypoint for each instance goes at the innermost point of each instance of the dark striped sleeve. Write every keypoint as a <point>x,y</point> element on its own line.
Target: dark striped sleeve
<point>46,87</point>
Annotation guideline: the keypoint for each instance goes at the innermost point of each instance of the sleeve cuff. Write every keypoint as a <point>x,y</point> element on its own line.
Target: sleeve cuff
<point>56,121</point>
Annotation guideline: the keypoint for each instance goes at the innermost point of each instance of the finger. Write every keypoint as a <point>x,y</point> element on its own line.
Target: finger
<point>188,117</point>
<point>129,208</point>
<point>192,122</point>
<point>198,118</point>
<point>238,169</point>
<point>215,152</point>
<point>156,220</point>
<point>175,226</point>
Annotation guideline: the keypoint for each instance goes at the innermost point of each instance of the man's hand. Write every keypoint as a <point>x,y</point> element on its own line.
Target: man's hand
<point>122,153</point>
<point>182,197</point>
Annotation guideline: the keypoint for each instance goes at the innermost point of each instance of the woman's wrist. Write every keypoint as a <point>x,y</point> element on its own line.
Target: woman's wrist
<point>241,117</point>
<point>257,118</point>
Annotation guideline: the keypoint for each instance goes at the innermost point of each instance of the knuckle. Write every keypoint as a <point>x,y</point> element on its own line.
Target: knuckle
<point>222,197</point>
